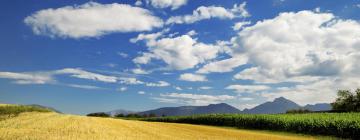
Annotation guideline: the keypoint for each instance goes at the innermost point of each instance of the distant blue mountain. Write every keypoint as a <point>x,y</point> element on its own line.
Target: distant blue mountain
<point>192,110</point>
<point>120,111</point>
<point>318,107</point>
<point>279,105</point>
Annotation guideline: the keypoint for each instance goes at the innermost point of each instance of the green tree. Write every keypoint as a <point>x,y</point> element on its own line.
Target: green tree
<point>98,114</point>
<point>152,115</point>
<point>120,115</point>
<point>347,101</point>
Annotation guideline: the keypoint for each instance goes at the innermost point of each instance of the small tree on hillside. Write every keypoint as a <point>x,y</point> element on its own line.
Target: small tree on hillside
<point>347,101</point>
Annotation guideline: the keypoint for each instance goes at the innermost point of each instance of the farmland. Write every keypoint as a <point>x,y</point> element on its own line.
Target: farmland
<point>345,125</point>
<point>32,125</point>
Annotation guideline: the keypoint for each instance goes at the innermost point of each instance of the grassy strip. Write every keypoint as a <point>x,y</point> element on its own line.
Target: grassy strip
<point>13,110</point>
<point>346,125</point>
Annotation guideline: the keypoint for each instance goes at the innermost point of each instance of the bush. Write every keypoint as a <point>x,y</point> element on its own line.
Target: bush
<point>298,111</point>
<point>119,115</point>
<point>98,114</point>
<point>133,115</point>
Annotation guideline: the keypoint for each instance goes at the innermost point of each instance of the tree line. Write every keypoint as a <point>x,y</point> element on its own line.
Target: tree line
<point>347,101</point>
<point>130,115</point>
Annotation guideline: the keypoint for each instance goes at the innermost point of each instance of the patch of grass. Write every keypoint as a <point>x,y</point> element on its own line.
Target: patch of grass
<point>13,110</point>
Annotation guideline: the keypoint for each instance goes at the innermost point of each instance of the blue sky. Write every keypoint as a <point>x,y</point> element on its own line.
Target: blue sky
<point>81,56</point>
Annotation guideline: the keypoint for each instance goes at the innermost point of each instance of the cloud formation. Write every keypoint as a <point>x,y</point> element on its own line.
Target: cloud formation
<point>91,20</point>
<point>192,77</point>
<point>221,66</point>
<point>90,87</point>
<point>248,88</point>
<point>179,53</point>
<point>174,4</point>
<point>306,47</point>
<point>28,78</point>
<point>79,73</point>
<point>304,44</point>
<point>159,84</point>
<point>193,99</point>
<point>139,71</point>
<point>203,13</point>
<point>240,25</point>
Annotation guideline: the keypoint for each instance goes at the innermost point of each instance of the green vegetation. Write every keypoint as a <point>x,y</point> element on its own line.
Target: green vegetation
<point>134,115</point>
<point>98,114</point>
<point>347,101</point>
<point>17,109</point>
<point>345,125</point>
<point>298,111</point>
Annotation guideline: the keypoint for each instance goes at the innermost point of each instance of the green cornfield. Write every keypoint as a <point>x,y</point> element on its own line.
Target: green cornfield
<point>346,125</point>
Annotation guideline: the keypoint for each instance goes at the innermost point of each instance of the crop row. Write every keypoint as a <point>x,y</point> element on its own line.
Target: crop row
<point>345,125</point>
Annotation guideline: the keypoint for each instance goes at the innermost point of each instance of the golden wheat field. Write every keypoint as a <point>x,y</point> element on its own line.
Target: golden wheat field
<point>54,126</point>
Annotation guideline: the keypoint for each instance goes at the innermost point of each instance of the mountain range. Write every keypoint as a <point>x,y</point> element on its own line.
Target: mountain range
<point>279,105</point>
<point>120,111</point>
<point>192,110</point>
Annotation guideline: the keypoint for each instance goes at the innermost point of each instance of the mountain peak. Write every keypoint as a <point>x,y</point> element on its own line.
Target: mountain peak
<point>279,105</point>
<point>192,110</point>
<point>281,99</point>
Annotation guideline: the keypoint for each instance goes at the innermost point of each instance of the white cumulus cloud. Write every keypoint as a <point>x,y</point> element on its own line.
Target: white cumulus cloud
<point>203,12</point>
<point>91,20</point>
<point>192,77</point>
<point>174,4</point>
<point>178,53</point>
<point>306,47</point>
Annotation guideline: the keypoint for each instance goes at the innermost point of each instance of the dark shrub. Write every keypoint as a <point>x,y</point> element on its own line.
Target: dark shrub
<point>98,114</point>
